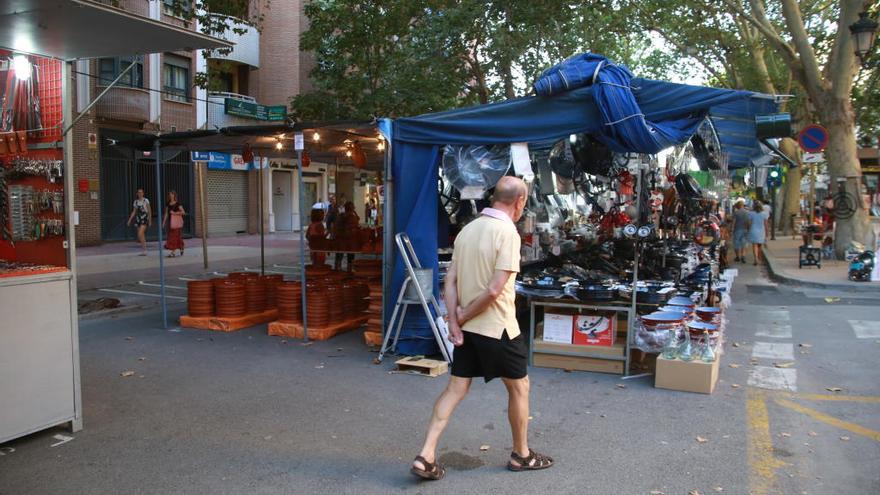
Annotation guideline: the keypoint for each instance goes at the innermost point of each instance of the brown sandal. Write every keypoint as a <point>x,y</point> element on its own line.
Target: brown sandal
<point>533,462</point>
<point>431,472</point>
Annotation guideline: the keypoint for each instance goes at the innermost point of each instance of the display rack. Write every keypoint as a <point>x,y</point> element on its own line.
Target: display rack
<point>580,351</point>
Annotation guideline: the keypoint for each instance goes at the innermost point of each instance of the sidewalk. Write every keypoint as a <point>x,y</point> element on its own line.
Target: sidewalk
<point>782,262</point>
<point>120,262</point>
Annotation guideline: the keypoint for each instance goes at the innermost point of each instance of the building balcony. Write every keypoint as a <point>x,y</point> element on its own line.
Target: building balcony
<point>124,103</point>
<point>247,44</point>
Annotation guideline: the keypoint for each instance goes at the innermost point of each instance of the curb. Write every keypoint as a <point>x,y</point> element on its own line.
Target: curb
<point>779,277</point>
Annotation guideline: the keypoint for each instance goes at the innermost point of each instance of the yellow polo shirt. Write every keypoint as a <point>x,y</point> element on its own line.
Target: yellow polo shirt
<point>485,245</point>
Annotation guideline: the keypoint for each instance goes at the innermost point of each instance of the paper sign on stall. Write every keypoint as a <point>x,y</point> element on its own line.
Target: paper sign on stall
<point>522,163</point>
<point>472,192</point>
<point>557,328</point>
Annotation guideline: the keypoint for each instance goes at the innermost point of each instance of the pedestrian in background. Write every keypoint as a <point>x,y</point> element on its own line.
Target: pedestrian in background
<point>740,222</point>
<point>480,295</point>
<point>174,210</point>
<point>757,235</point>
<point>315,236</point>
<point>347,234</point>
<point>142,216</point>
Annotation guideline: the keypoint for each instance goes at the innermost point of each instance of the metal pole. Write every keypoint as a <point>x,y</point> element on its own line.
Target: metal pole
<point>631,318</point>
<point>387,231</point>
<point>302,243</point>
<point>773,214</point>
<point>203,215</point>
<point>98,98</point>
<point>262,233</point>
<point>157,148</point>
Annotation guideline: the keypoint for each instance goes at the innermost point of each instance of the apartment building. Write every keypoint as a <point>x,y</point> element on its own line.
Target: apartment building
<point>250,85</point>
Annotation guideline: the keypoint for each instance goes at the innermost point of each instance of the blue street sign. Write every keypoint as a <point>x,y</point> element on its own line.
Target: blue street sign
<point>813,138</point>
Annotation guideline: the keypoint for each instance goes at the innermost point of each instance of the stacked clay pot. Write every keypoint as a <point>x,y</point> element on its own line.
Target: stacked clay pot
<point>290,301</point>
<point>200,298</point>
<point>318,303</point>
<point>255,293</point>
<point>230,300</point>
<point>317,270</point>
<point>272,282</point>
<point>335,311</point>
<point>348,299</point>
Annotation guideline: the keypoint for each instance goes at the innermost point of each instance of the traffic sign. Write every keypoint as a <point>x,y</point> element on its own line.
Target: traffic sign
<point>813,157</point>
<point>813,138</point>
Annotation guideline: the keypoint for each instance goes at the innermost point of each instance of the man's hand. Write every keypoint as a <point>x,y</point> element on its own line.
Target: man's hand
<point>455,334</point>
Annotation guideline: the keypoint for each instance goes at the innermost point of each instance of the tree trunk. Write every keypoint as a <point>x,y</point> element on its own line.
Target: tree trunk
<point>791,201</point>
<point>843,163</point>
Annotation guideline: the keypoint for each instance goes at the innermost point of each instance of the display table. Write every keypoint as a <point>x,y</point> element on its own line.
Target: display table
<point>613,358</point>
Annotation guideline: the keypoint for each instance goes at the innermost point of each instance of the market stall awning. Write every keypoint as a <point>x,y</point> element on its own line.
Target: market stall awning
<point>78,29</point>
<point>263,140</point>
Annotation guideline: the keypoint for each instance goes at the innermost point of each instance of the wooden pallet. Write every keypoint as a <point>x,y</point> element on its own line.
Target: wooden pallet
<point>420,366</point>
<point>373,338</point>
<point>295,330</point>
<point>219,324</point>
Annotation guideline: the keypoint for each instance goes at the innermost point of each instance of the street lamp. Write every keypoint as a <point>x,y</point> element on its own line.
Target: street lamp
<point>864,30</point>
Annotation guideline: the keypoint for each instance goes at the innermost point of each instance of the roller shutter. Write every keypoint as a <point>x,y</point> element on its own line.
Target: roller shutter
<point>227,202</point>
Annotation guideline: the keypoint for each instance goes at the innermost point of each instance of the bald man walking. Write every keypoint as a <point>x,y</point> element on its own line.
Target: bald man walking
<point>480,295</point>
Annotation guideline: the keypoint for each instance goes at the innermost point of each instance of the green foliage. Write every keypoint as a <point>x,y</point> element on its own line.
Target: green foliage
<point>403,57</point>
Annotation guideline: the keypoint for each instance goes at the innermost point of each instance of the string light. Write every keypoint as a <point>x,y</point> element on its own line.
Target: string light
<point>316,136</point>
<point>348,153</point>
<point>279,146</point>
<point>381,144</point>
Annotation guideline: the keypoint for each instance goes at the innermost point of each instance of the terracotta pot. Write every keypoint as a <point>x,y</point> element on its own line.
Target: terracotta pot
<point>230,298</point>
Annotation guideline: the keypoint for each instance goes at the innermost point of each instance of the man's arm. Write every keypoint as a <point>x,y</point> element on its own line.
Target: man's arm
<point>486,298</point>
<point>450,295</point>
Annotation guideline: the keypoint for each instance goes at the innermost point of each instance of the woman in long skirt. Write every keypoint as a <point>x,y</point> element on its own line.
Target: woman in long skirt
<point>175,212</point>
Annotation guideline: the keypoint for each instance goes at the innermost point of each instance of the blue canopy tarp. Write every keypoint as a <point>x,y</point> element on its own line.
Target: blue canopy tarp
<point>417,141</point>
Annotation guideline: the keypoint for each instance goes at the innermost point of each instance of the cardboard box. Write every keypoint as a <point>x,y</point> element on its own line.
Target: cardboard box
<point>691,376</point>
<point>557,328</point>
<point>596,329</point>
<point>578,363</point>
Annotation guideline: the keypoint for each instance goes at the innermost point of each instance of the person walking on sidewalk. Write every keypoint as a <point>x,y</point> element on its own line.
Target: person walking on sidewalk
<point>740,222</point>
<point>175,211</point>
<point>758,229</point>
<point>479,292</point>
<point>142,216</point>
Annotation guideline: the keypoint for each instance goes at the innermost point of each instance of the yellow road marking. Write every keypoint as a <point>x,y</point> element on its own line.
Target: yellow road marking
<point>867,399</point>
<point>762,463</point>
<point>831,420</point>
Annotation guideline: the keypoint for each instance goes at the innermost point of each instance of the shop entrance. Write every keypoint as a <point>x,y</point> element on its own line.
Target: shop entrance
<point>282,199</point>
<point>124,170</point>
<point>310,195</point>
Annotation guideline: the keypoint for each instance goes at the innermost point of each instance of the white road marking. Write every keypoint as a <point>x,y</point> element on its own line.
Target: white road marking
<point>773,378</point>
<point>267,271</point>
<point>6,450</point>
<point>160,285</point>
<point>774,315</point>
<point>769,350</point>
<point>287,266</point>
<point>865,329</point>
<point>773,331</point>
<point>63,439</point>
<point>117,291</point>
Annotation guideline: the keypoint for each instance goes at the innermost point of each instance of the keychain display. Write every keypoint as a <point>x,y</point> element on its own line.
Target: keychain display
<point>25,204</point>
<point>52,170</point>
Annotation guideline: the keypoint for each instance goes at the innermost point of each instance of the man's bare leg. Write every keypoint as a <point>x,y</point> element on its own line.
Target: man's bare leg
<point>518,413</point>
<point>451,397</point>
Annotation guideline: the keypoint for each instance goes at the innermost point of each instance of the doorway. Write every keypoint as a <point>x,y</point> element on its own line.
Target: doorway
<point>310,197</point>
<point>282,199</point>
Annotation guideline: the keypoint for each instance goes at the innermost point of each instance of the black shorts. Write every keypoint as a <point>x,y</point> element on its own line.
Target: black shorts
<point>481,356</point>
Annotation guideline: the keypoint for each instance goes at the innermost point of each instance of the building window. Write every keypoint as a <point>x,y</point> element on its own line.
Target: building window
<point>109,69</point>
<point>176,76</point>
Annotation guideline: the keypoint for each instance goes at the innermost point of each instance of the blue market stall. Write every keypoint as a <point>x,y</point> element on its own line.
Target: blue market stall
<point>584,94</point>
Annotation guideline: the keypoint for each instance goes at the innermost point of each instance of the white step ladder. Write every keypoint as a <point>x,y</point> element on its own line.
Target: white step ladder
<point>417,289</point>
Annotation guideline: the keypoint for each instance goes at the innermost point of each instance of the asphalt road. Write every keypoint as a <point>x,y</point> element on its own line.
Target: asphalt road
<point>209,412</point>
